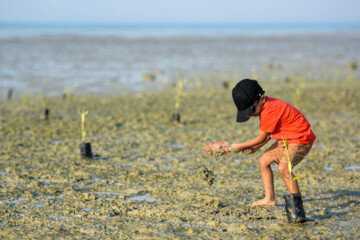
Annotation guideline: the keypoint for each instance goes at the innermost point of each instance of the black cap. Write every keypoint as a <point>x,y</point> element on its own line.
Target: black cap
<point>245,93</point>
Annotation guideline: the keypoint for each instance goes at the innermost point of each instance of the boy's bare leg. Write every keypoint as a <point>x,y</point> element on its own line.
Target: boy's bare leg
<point>267,177</point>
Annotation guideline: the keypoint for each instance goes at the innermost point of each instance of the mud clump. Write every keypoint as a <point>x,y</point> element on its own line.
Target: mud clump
<point>217,149</point>
<point>207,175</point>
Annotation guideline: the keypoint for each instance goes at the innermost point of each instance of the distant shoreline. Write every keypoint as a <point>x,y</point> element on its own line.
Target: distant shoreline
<point>16,29</point>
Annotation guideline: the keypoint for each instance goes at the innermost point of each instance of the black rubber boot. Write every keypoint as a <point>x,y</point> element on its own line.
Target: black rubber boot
<point>85,150</point>
<point>176,118</point>
<point>294,208</point>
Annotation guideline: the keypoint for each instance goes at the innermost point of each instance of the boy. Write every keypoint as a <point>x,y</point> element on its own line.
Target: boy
<point>278,120</point>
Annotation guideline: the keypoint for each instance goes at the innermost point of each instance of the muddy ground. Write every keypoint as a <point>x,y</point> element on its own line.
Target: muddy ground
<point>144,181</point>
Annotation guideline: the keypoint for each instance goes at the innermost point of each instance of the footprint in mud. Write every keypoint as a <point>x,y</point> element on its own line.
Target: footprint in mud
<point>206,174</point>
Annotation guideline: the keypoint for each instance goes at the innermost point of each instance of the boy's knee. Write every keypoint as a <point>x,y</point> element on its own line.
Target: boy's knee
<point>264,161</point>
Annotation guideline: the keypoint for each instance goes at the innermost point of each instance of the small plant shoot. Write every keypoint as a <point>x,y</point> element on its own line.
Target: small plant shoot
<point>179,90</point>
<point>85,147</point>
<point>45,111</point>
<point>83,114</point>
<point>69,91</point>
<point>287,156</point>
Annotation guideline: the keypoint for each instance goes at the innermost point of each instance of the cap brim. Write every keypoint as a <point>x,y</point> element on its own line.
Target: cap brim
<point>244,115</point>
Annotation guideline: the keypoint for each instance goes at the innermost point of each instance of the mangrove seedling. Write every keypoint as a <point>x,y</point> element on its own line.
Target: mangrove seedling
<point>45,111</point>
<point>287,156</point>
<point>69,92</point>
<point>83,114</point>
<point>179,94</point>
<point>9,94</point>
<point>293,202</point>
<point>226,82</point>
<point>85,147</point>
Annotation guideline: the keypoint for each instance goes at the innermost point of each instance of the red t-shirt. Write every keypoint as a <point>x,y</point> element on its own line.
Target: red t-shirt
<point>282,120</point>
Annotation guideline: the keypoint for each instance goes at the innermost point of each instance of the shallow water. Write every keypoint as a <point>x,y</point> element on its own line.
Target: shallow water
<point>108,64</point>
<point>144,181</point>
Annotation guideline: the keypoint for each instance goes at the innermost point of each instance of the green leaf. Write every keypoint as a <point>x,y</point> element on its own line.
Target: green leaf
<point>283,155</point>
<point>286,144</point>
<point>296,178</point>
<point>288,178</point>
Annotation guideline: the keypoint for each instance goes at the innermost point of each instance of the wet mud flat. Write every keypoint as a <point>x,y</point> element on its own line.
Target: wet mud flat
<point>144,181</point>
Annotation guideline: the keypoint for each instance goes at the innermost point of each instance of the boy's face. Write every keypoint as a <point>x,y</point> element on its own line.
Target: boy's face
<point>258,106</point>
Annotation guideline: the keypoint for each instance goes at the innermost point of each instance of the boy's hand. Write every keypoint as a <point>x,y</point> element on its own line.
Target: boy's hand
<point>248,150</point>
<point>217,148</point>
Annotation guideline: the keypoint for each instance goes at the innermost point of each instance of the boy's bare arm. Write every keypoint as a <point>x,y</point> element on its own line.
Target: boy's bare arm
<point>257,147</point>
<point>254,143</point>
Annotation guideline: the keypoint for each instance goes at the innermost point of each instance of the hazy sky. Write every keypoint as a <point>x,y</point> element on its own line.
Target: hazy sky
<point>180,11</point>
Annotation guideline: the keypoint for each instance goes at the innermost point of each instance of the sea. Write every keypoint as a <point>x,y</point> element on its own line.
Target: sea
<point>100,58</point>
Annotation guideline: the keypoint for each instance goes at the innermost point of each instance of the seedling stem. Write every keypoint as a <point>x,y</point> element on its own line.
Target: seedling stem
<point>287,156</point>
<point>83,114</point>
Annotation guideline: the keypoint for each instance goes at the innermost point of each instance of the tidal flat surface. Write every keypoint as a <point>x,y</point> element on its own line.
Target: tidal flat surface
<point>144,181</point>
<point>52,64</point>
